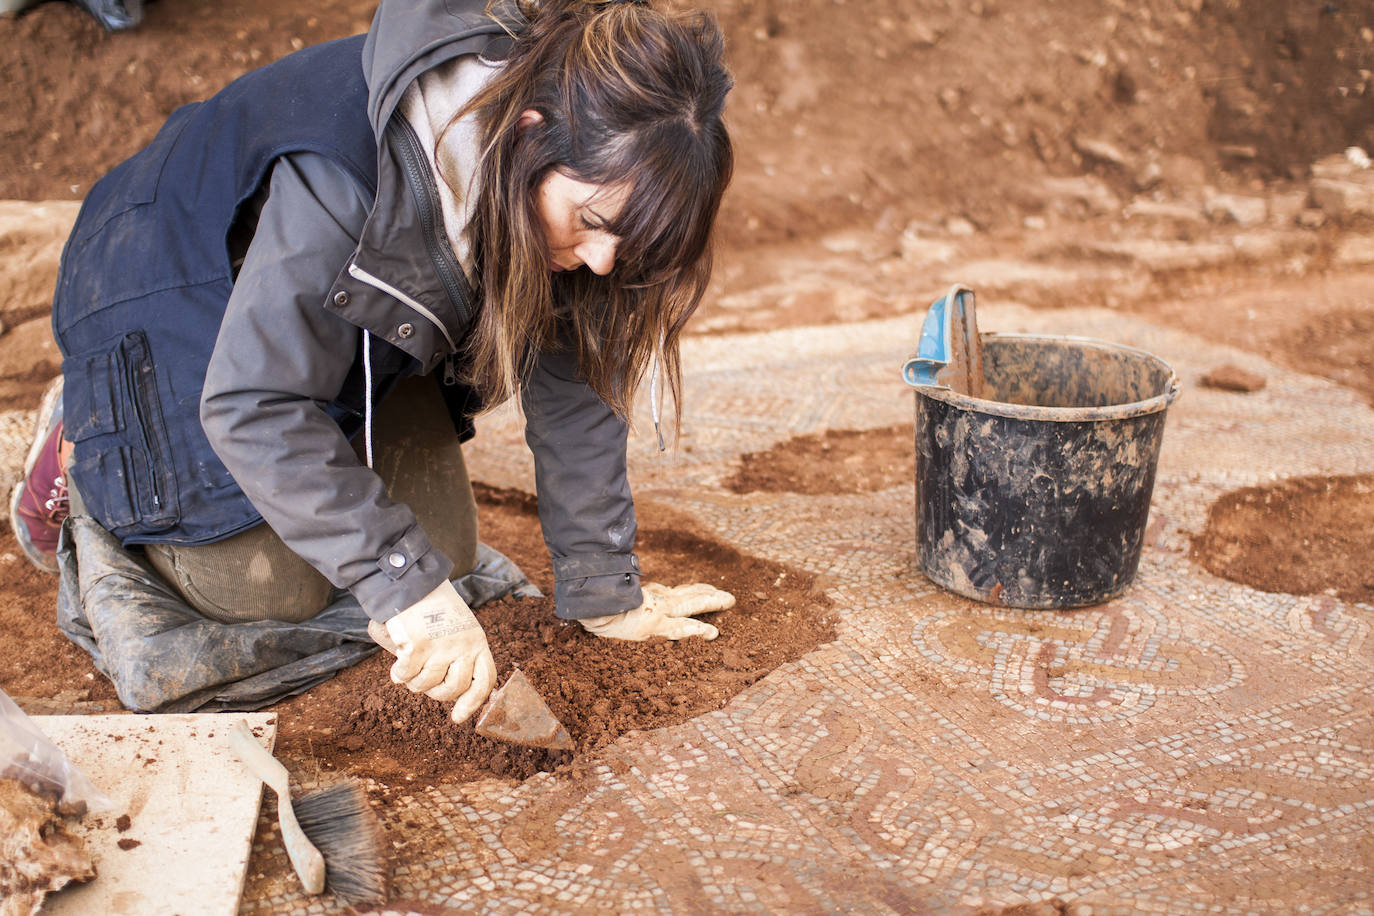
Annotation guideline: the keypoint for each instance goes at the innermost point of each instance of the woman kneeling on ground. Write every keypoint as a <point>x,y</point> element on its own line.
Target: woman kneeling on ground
<point>461,207</point>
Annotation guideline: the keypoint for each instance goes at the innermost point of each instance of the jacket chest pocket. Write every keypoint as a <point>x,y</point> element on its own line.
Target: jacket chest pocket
<point>112,412</point>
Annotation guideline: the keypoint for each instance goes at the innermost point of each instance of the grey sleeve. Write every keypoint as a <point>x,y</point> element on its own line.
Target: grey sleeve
<point>279,359</point>
<point>585,506</point>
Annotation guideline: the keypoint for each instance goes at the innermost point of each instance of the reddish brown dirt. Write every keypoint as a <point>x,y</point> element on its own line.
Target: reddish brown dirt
<point>1321,325</point>
<point>1304,536</point>
<point>836,461</point>
<point>90,98</point>
<point>361,723</point>
<point>867,117</point>
<point>949,107</point>
<point>38,660</point>
<point>1052,907</point>
<point>1337,347</point>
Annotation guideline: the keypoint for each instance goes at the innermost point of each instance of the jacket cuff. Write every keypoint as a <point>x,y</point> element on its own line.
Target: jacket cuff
<point>407,571</point>
<point>595,584</point>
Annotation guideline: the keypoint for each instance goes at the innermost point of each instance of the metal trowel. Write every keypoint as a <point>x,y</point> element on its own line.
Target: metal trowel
<point>515,711</point>
<point>518,714</point>
<point>950,352</point>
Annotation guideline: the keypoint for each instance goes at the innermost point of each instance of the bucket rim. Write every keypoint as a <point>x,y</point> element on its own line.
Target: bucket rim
<point>1141,408</point>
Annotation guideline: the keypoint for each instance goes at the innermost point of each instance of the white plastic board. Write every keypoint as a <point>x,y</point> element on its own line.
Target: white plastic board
<point>192,808</point>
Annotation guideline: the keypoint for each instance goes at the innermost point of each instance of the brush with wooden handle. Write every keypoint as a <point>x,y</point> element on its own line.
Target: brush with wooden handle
<point>331,836</point>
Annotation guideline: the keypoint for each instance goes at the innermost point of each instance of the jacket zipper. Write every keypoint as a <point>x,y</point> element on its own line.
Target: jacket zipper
<point>138,391</point>
<point>421,181</point>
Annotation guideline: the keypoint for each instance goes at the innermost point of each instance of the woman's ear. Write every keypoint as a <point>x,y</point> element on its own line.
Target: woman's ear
<point>528,118</point>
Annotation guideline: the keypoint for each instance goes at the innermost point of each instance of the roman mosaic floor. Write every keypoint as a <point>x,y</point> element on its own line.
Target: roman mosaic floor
<point>1194,746</point>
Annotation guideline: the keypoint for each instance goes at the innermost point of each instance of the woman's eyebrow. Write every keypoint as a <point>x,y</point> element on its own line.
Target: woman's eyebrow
<point>600,221</point>
<point>588,204</point>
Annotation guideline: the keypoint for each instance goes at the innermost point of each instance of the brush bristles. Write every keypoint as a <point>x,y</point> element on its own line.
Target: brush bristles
<point>344,828</point>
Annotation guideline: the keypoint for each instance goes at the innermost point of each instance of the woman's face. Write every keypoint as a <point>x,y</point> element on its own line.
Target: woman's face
<point>573,216</point>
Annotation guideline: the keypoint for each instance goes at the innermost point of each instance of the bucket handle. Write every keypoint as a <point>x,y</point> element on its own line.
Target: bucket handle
<point>933,350</point>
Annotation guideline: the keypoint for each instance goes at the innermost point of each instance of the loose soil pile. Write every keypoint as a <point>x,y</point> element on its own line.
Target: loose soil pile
<point>361,723</point>
<point>1303,536</point>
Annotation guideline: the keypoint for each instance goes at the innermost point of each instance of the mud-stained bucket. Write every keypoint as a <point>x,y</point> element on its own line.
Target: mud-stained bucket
<point>1037,493</point>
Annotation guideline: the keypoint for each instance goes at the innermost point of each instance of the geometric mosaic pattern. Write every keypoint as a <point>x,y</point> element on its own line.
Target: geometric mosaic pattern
<point>1193,746</point>
<point>1095,665</point>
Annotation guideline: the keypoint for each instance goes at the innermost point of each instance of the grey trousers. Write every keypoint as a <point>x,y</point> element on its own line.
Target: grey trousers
<point>255,576</point>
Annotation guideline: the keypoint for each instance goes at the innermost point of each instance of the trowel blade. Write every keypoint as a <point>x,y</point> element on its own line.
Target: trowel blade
<point>518,714</point>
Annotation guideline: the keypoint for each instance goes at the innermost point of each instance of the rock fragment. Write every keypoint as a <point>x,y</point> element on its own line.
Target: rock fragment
<point>1087,191</point>
<point>1233,208</point>
<point>1233,378</point>
<point>1150,175</point>
<point>1340,166</point>
<point>1175,211</point>
<point>1343,200</point>
<point>1356,251</point>
<point>1342,185</point>
<point>1101,151</point>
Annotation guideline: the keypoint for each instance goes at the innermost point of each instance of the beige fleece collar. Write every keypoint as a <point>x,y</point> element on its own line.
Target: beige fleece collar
<point>429,105</point>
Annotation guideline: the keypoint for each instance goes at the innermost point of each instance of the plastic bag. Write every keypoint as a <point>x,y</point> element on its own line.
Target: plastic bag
<point>114,14</point>
<point>30,758</point>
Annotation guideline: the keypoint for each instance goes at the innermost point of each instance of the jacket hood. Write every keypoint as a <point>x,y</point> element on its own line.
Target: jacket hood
<point>408,38</point>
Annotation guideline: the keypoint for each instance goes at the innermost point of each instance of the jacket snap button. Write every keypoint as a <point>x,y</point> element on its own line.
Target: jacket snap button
<point>405,330</point>
<point>341,298</point>
<point>397,560</point>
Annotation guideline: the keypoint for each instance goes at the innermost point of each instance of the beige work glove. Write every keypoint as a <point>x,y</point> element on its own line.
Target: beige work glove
<point>666,611</point>
<point>440,651</point>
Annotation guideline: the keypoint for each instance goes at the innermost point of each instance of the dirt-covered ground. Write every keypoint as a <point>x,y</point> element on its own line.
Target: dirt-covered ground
<point>1184,159</point>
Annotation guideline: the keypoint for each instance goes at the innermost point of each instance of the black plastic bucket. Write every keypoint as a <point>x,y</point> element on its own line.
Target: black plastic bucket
<point>1037,494</point>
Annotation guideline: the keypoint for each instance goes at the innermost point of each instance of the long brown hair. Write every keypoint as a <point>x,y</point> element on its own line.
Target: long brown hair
<point>628,96</point>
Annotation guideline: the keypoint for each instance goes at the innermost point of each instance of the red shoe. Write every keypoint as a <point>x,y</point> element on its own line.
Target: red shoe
<point>39,503</point>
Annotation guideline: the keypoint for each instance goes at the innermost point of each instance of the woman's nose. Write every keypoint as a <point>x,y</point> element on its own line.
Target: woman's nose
<point>598,255</point>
